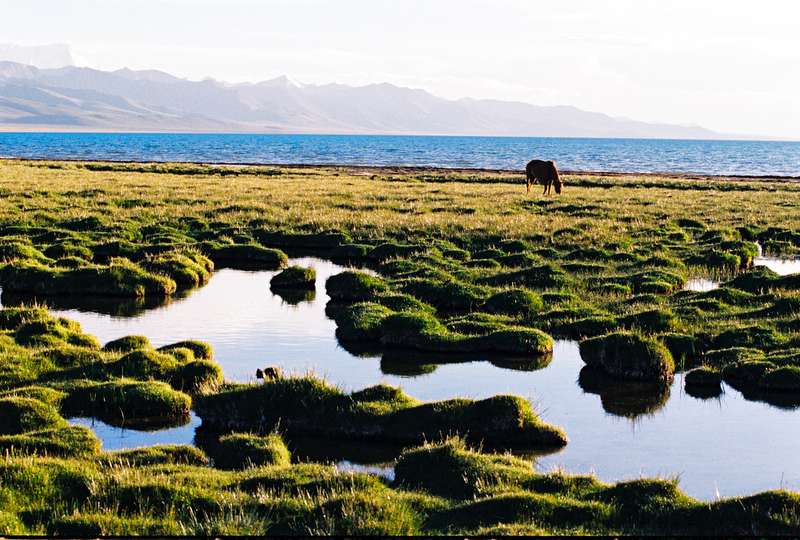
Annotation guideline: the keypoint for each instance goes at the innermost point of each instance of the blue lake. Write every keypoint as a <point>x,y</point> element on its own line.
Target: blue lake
<point>627,155</point>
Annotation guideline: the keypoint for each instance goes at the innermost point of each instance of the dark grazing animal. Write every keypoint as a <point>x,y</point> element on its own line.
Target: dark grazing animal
<point>545,173</point>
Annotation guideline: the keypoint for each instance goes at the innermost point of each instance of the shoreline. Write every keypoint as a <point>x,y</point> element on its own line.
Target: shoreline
<point>410,169</point>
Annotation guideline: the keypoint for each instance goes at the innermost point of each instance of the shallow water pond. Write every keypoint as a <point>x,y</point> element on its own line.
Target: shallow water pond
<point>781,266</point>
<point>701,284</point>
<point>722,446</point>
<point>121,438</point>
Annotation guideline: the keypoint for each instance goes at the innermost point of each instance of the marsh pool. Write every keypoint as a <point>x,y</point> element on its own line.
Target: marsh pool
<point>721,446</point>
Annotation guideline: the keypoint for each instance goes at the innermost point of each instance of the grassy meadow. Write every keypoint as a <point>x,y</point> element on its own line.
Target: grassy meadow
<point>464,261</point>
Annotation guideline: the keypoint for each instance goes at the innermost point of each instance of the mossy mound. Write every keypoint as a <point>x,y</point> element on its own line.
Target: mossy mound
<point>747,373</point>
<point>294,277</point>
<point>197,376</point>
<point>489,253</point>
<point>722,357</point>
<point>417,330</point>
<point>389,250</point>
<point>127,344</point>
<point>489,264</point>
<point>517,302</point>
<point>53,333</point>
<point>515,340</point>
<point>352,286</point>
<point>403,302</point>
<point>200,349</point>
<point>685,349</point>
<point>45,394</point>
<point>19,415</point>
<point>719,260</point>
<point>63,441</point>
<point>12,251</point>
<point>478,324</point>
<point>703,377</point>
<point>655,500</point>
<point>781,379</point>
<point>64,250</point>
<point>72,356</point>
<point>758,280</point>
<point>656,281</point>
<point>350,252</point>
<point>445,294</point>
<point>730,296</point>
<point>750,336</point>
<point>243,450</point>
<point>12,318</point>
<point>450,469</point>
<point>187,268</point>
<point>654,320</point>
<point>176,365</point>
<point>129,402</point>
<point>89,525</point>
<point>517,260</point>
<point>360,514</point>
<point>629,356</point>
<point>545,276</point>
<point>514,246</point>
<point>424,332</point>
<point>144,364</point>
<point>361,322</point>
<point>322,240</point>
<point>772,513</point>
<point>248,256</point>
<point>156,455</point>
<point>613,289</point>
<point>121,278</point>
<point>72,263</point>
<point>308,406</point>
<point>596,325</point>
<point>522,507</point>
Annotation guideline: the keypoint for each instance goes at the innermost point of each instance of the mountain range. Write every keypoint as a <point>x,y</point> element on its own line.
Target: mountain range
<point>71,98</point>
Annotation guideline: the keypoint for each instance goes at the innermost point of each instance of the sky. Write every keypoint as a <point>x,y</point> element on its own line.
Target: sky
<point>728,65</point>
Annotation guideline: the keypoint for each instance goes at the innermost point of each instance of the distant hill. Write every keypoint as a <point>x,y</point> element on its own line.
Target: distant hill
<point>87,99</point>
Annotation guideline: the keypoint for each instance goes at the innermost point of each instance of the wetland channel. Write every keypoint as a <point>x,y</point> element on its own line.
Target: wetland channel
<point>721,446</point>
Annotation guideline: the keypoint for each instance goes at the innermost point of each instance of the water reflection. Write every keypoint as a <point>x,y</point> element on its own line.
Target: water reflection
<point>779,265</point>
<point>294,297</point>
<point>411,363</point>
<point>117,307</point>
<point>122,438</point>
<point>626,399</point>
<point>716,445</point>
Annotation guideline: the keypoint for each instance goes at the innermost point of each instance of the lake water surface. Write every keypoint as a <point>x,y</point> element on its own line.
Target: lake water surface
<point>577,154</point>
<point>721,446</point>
